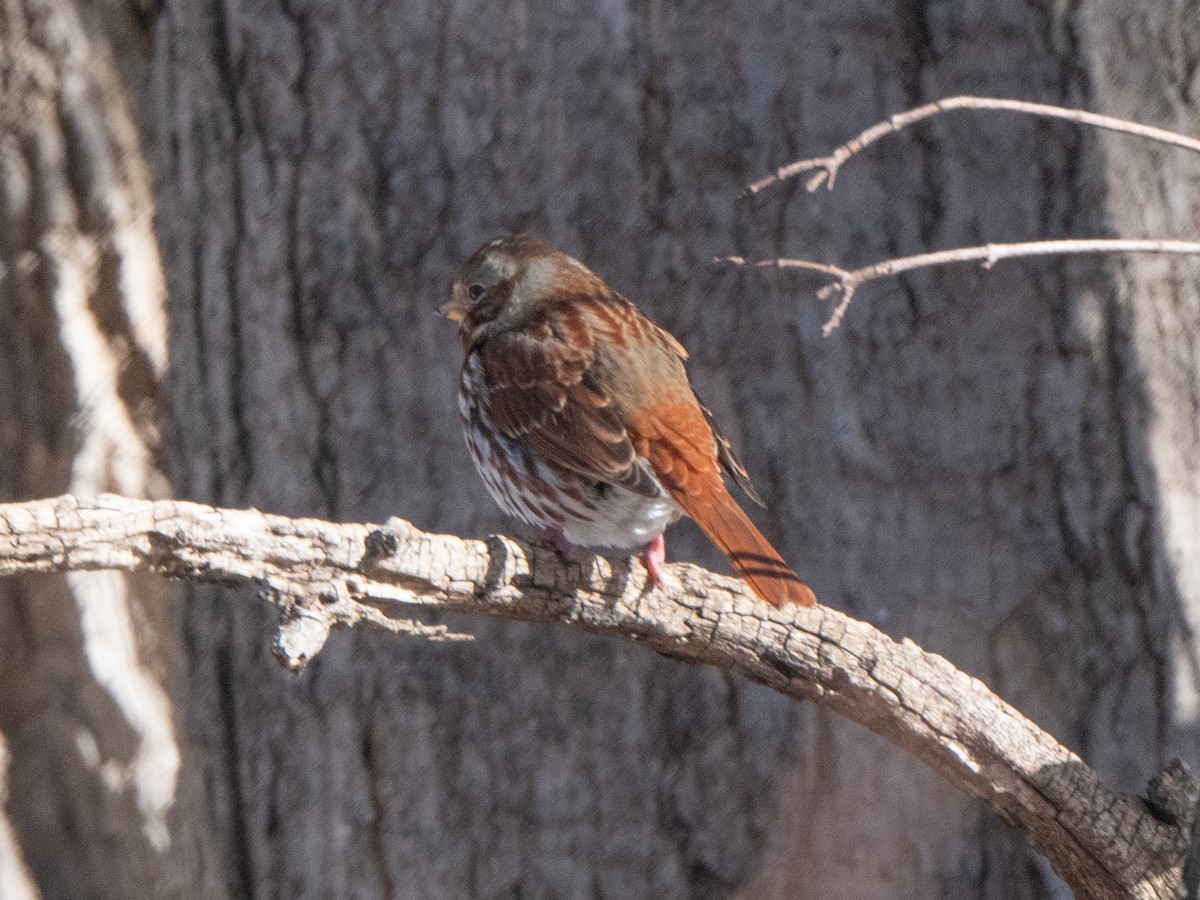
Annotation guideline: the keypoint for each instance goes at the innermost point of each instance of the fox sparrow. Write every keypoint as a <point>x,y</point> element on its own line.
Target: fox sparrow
<point>578,412</point>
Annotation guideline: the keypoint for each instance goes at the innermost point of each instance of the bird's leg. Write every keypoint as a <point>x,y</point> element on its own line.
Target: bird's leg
<point>655,557</point>
<point>555,538</point>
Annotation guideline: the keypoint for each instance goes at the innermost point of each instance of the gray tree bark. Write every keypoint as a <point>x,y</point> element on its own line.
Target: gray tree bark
<point>88,745</point>
<point>1001,465</point>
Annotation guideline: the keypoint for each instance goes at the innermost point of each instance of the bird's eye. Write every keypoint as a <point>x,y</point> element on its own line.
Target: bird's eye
<point>475,291</point>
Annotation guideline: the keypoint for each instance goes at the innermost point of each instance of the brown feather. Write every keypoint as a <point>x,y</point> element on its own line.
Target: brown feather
<point>544,389</point>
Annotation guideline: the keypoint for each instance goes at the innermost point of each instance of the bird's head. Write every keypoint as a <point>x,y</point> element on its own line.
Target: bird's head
<point>506,280</point>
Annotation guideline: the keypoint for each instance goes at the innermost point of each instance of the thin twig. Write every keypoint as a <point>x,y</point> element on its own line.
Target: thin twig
<point>847,281</point>
<point>829,165</point>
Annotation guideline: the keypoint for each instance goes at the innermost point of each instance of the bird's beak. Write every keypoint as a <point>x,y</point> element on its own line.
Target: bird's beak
<point>454,310</point>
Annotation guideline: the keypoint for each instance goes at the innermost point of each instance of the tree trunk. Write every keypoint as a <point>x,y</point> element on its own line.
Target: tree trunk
<point>1001,465</point>
<point>88,750</point>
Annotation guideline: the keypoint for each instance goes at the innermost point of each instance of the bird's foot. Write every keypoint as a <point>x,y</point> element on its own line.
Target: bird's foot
<point>655,557</point>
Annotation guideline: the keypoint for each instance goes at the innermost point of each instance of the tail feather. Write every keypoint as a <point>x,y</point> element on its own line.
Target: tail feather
<point>751,554</point>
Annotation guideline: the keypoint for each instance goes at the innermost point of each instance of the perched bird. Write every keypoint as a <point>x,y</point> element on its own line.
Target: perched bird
<point>579,414</point>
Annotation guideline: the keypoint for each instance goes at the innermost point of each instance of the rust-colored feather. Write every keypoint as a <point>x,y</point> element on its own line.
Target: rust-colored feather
<point>683,452</point>
<point>752,555</point>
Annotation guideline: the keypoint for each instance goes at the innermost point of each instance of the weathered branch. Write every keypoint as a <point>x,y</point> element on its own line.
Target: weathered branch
<point>323,574</point>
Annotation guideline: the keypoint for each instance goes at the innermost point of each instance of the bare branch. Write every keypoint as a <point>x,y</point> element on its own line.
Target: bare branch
<point>850,280</point>
<point>828,166</point>
<point>324,574</point>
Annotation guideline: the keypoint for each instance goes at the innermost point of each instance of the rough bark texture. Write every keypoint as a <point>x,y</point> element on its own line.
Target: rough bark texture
<point>322,575</point>
<point>1000,465</point>
<point>87,733</point>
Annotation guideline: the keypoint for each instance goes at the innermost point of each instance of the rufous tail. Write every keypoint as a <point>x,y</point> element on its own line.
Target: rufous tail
<point>751,554</point>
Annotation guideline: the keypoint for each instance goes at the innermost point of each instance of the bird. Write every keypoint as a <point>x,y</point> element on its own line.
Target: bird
<point>580,417</point>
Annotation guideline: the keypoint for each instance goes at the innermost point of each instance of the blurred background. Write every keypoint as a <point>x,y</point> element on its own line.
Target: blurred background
<point>223,230</point>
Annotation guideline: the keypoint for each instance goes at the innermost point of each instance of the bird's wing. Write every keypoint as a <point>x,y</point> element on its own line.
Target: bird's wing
<point>729,460</point>
<point>543,388</point>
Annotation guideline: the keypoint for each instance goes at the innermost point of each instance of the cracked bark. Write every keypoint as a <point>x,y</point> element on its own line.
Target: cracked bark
<point>325,574</point>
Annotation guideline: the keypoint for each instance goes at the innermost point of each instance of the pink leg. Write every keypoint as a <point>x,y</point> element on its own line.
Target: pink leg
<point>656,556</point>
